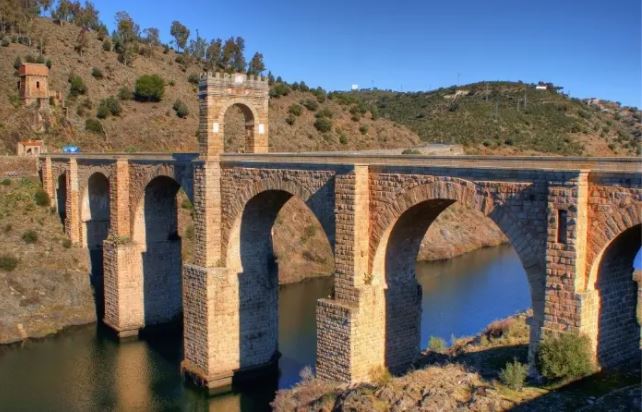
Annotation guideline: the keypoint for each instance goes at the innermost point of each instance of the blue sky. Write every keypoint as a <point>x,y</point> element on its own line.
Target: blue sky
<point>591,47</point>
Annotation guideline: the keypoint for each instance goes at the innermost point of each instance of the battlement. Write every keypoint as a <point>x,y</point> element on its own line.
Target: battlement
<point>227,80</point>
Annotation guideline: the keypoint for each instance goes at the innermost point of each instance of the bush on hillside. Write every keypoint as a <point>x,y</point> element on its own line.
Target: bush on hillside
<point>8,262</point>
<point>149,88</point>
<point>107,45</point>
<point>295,109</point>
<point>97,73</point>
<point>94,125</point>
<point>30,236</point>
<point>363,129</point>
<point>125,93</point>
<point>76,85</point>
<point>436,344</point>
<point>324,113</point>
<point>5,42</point>
<point>181,109</point>
<point>290,119</point>
<point>278,90</point>
<point>323,124</point>
<point>17,63</point>
<point>193,78</point>
<point>566,356</point>
<point>514,374</point>
<point>310,104</point>
<point>41,198</point>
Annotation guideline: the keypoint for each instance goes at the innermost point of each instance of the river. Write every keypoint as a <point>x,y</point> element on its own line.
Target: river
<point>85,368</point>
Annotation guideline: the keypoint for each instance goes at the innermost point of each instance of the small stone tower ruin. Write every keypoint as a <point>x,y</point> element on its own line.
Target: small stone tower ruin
<point>220,91</point>
<point>34,84</point>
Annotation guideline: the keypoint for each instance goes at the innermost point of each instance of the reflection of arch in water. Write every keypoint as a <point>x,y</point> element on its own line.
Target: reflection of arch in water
<point>95,227</point>
<point>155,233</point>
<point>394,262</point>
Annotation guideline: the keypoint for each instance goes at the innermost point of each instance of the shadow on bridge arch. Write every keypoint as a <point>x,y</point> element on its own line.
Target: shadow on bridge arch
<point>395,259</point>
<point>94,215</point>
<point>61,197</point>
<point>254,267</point>
<point>158,256</point>
<point>617,299</point>
<point>238,128</point>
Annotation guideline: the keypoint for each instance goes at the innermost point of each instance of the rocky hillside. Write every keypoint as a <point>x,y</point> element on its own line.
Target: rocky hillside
<point>155,126</point>
<point>511,118</point>
<point>44,281</point>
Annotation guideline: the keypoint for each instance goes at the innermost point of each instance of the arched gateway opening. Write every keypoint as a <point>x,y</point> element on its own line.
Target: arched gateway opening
<point>156,235</point>
<point>618,333</point>
<point>255,259</point>
<point>95,227</point>
<point>238,128</point>
<point>395,262</point>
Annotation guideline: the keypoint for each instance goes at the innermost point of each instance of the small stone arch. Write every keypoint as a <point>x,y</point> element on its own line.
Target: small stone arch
<point>398,232</point>
<point>250,119</point>
<point>62,192</point>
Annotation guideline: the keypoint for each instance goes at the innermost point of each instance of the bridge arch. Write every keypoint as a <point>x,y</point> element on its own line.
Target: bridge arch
<point>253,266</point>
<point>95,215</point>
<point>61,196</point>
<point>157,253</point>
<point>397,238</point>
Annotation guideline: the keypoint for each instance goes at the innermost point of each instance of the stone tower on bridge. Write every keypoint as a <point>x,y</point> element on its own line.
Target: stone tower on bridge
<point>220,91</point>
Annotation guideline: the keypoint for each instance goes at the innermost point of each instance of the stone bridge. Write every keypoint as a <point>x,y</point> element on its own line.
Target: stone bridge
<point>574,222</point>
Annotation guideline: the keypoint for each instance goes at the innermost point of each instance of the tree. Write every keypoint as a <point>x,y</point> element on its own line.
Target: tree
<point>126,38</point>
<point>227,54</point>
<point>152,36</point>
<point>238,59</point>
<point>82,41</point>
<point>213,55</point>
<point>256,66</point>
<point>180,34</point>
<point>198,48</point>
<point>87,17</point>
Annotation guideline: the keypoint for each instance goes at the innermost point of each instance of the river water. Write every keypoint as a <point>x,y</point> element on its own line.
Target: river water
<point>85,369</point>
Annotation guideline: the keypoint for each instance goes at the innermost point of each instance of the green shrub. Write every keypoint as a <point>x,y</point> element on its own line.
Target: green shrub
<point>6,182</point>
<point>363,129</point>
<point>310,104</point>
<point>97,73</point>
<point>125,93</point>
<point>181,109</point>
<point>102,112</point>
<point>41,198</point>
<point>30,236</point>
<point>290,119</point>
<point>411,152</point>
<point>66,243</point>
<point>436,344</point>
<point>17,62</point>
<point>94,125</point>
<point>107,45</point>
<point>323,124</point>
<point>295,109</point>
<point>193,78</point>
<point>279,89</point>
<point>76,85</point>
<point>343,139</point>
<point>324,113</point>
<point>514,374</point>
<point>5,42</point>
<point>566,356</point>
<point>149,87</point>
<point>48,63</point>
<point>108,106</point>
<point>8,262</point>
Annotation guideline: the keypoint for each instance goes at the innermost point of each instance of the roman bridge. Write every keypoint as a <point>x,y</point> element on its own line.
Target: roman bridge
<point>575,224</point>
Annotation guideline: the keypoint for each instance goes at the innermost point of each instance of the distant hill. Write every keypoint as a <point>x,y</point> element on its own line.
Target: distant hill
<point>509,117</point>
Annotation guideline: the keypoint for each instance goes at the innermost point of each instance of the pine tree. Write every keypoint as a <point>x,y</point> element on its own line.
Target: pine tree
<point>256,66</point>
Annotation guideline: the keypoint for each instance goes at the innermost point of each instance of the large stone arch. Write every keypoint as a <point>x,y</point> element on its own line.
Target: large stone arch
<point>61,188</point>
<point>156,251</point>
<point>253,268</point>
<point>396,237</point>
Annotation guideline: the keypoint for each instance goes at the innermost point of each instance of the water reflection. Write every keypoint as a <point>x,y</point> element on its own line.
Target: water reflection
<point>86,369</point>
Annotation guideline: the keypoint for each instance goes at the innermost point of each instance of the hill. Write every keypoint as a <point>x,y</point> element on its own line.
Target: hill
<point>154,126</point>
<point>511,118</point>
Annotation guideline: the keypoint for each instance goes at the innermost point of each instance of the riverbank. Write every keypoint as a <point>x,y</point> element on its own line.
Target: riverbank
<point>465,376</point>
